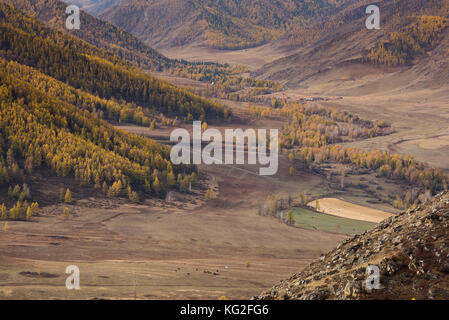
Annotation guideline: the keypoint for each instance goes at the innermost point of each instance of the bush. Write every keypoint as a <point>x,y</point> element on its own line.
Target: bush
<point>3,212</point>
<point>14,192</point>
<point>29,214</point>
<point>68,196</point>
<point>133,195</point>
<point>66,213</point>
<point>210,194</point>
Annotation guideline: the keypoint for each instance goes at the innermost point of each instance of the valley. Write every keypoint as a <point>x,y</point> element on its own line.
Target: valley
<point>212,231</point>
<point>188,248</point>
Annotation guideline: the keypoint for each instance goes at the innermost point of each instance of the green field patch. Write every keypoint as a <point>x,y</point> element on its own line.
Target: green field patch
<point>309,219</point>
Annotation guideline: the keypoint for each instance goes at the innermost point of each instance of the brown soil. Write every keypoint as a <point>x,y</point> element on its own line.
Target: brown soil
<point>187,248</point>
<point>344,209</point>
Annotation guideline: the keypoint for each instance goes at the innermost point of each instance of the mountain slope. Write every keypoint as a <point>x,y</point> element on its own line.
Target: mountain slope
<point>91,69</point>
<point>96,32</point>
<point>409,31</point>
<point>117,41</point>
<point>94,6</point>
<point>55,92</point>
<point>411,251</point>
<point>218,24</point>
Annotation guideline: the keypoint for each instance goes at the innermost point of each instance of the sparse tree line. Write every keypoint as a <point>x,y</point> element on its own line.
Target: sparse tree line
<point>237,88</point>
<point>317,126</point>
<point>22,210</point>
<point>274,205</point>
<point>279,207</point>
<point>411,198</point>
<point>391,166</point>
<point>223,81</point>
<point>311,133</point>
<point>315,130</point>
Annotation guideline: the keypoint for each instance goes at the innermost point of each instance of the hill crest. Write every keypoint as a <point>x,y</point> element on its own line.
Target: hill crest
<point>411,251</point>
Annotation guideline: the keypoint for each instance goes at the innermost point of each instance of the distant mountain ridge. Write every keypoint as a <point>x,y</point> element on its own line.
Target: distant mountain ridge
<point>410,31</point>
<point>119,42</point>
<point>94,6</point>
<point>314,36</point>
<point>97,32</point>
<point>219,24</point>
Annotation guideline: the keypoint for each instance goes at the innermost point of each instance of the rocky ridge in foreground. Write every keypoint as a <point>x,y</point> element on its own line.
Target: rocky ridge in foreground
<point>411,251</point>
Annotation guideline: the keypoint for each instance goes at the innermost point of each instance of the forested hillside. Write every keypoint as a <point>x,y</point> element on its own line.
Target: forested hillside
<point>409,32</point>
<point>112,110</point>
<point>96,32</point>
<point>413,40</point>
<point>118,42</point>
<point>55,91</point>
<point>93,70</point>
<point>220,24</point>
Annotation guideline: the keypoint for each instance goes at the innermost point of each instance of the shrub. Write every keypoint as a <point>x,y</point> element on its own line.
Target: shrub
<point>66,213</point>
<point>3,212</point>
<point>210,194</point>
<point>133,195</point>
<point>29,214</point>
<point>68,196</point>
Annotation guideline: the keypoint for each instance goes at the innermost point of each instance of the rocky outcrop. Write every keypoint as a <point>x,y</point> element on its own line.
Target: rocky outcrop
<point>406,255</point>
